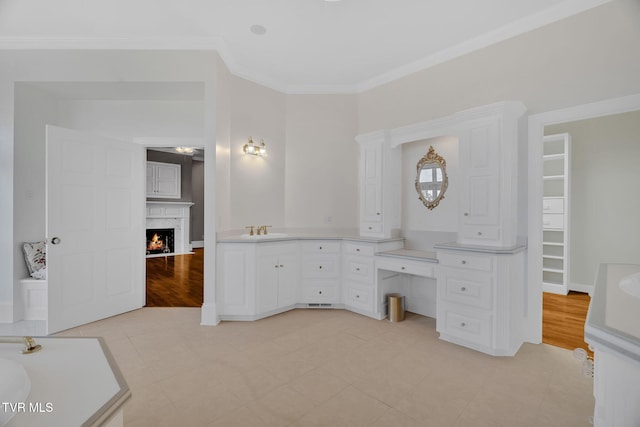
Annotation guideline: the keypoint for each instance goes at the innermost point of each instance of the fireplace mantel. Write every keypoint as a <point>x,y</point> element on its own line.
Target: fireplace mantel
<point>174,215</point>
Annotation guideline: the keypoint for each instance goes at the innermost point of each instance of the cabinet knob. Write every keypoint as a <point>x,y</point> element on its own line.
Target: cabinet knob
<point>463,289</point>
<point>320,267</point>
<point>319,292</point>
<point>276,266</point>
<point>320,247</point>
<point>357,269</point>
<point>378,213</point>
<point>464,262</point>
<point>463,324</point>
<point>479,233</point>
<point>466,214</point>
<point>370,228</point>
<point>357,249</point>
<point>401,268</point>
<point>357,296</point>
<point>281,265</point>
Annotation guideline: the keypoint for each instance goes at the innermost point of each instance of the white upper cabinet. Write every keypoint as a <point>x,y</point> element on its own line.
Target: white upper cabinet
<point>163,180</point>
<point>380,191</point>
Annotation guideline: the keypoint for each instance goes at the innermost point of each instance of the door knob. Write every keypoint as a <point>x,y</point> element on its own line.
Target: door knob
<point>55,241</point>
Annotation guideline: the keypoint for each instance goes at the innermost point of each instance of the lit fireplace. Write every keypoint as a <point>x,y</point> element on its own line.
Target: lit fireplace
<point>160,241</point>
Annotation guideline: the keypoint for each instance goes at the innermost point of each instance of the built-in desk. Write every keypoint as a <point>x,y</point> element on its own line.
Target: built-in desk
<point>416,279</point>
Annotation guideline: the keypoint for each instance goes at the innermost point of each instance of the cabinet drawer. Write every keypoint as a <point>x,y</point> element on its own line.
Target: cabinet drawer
<point>352,248</point>
<point>465,261</point>
<point>416,268</point>
<point>552,206</point>
<point>371,227</point>
<point>468,325</point>
<point>320,266</point>
<point>466,287</point>
<point>320,246</point>
<point>359,269</point>
<point>553,221</point>
<point>320,291</point>
<point>358,296</point>
<point>479,232</point>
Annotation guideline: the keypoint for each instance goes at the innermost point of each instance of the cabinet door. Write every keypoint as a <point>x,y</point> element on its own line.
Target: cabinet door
<point>151,180</point>
<point>168,181</point>
<point>267,283</point>
<point>480,161</point>
<point>288,267</point>
<point>371,163</point>
<point>235,279</point>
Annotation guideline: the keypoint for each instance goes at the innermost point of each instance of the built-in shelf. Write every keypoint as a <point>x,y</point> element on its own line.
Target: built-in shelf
<point>555,213</point>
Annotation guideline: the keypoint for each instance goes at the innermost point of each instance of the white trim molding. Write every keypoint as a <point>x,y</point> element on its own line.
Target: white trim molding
<point>537,124</point>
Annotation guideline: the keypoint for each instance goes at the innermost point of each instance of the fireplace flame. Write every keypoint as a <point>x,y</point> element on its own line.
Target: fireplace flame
<point>156,243</point>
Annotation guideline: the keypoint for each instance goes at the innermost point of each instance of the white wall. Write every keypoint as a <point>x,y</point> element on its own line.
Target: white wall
<point>588,57</point>
<point>34,108</point>
<point>72,66</point>
<point>127,119</point>
<point>605,201</point>
<point>321,180</point>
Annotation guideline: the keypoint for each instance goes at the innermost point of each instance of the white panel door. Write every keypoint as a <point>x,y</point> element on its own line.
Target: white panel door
<point>95,227</point>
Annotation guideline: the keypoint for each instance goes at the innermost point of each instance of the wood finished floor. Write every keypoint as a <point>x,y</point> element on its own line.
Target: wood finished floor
<point>175,281</point>
<point>563,320</point>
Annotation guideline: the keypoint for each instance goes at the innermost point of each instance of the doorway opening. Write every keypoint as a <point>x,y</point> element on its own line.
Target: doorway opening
<point>175,264</point>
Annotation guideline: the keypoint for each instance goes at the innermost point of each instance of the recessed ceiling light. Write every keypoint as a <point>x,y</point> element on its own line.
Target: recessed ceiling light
<point>258,30</point>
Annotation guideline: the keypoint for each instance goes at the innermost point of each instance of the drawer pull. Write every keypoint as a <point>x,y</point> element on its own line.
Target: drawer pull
<point>378,213</point>
<point>357,269</point>
<point>479,233</point>
<point>463,324</point>
<point>281,265</point>
<point>402,268</point>
<point>276,266</point>
<point>358,249</point>
<point>466,214</point>
<point>320,248</point>
<point>358,296</point>
<point>370,228</point>
<point>319,292</point>
<point>464,262</point>
<point>463,289</point>
<point>320,267</point>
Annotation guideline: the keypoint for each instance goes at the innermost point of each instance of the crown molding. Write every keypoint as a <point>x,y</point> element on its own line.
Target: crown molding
<point>560,11</point>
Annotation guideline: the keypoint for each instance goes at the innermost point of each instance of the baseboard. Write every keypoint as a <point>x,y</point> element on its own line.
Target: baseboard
<point>6,312</point>
<point>555,289</point>
<point>196,244</point>
<point>579,287</point>
<point>209,315</point>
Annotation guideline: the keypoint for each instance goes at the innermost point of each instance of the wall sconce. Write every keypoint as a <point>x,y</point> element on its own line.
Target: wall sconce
<point>256,150</point>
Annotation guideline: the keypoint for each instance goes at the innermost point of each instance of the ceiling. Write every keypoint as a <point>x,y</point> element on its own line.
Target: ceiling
<point>310,46</point>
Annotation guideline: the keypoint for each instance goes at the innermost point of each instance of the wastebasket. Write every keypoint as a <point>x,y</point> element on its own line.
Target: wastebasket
<point>395,302</point>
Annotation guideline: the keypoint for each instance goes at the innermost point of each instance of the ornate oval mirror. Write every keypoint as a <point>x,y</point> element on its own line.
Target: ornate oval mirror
<point>431,179</point>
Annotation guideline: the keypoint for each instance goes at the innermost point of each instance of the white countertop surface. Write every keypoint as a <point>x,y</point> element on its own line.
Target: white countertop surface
<point>613,320</point>
<point>74,382</point>
<point>428,256</point>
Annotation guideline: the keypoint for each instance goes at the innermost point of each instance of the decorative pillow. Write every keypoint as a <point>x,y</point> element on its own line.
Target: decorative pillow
<point>35,254</point>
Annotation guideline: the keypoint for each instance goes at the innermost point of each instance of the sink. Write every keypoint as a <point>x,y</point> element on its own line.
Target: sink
<point>264,236</point>
<point>631,285</point>
<point>14,388</point>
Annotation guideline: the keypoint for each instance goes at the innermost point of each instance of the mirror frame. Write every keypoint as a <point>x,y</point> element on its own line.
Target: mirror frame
<point>432,157</point>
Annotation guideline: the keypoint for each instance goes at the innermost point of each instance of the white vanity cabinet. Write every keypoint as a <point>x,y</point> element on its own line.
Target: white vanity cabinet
<point>163,180</point>
<point>379,183</point>
<point>479,300</point>
<point>278,273</point>
<point>358,276</point>
<point>320,272</point>
<point>490,139</point>
<point>235,280</point>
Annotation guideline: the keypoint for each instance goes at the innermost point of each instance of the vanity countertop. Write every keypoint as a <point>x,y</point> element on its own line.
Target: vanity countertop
<point>455,246</point>
<point>304,236</point>
<point>613,320</point>
<point>428,256</point>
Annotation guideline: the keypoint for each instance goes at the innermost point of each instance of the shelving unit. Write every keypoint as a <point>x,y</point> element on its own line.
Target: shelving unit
<point>556,213</point>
